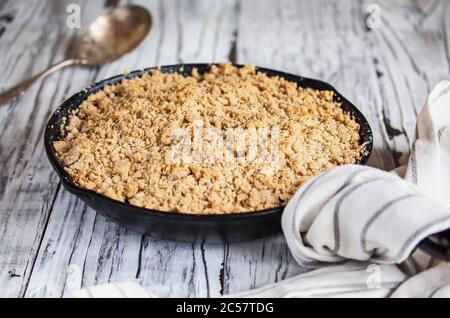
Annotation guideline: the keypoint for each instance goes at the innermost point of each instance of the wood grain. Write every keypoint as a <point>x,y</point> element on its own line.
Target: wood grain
<point>51,243</point>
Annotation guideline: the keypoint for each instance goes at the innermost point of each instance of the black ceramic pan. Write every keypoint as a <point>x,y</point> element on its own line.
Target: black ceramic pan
<point>185,227</point>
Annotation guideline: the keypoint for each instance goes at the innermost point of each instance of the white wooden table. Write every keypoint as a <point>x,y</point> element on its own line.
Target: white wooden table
<point>48,238</point>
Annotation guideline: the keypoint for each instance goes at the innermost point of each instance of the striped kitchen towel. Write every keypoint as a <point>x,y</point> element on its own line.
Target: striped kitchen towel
<point>360,213</point>
<point>127,289</point>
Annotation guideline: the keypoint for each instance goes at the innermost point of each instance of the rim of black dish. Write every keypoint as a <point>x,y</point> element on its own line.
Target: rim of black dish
<point>75,100</point>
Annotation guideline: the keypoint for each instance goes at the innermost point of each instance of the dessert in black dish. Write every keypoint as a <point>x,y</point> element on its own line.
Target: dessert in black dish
<point>178,226</point>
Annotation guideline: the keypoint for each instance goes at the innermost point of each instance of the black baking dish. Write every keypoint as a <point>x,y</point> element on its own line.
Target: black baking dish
<point>176,226</point>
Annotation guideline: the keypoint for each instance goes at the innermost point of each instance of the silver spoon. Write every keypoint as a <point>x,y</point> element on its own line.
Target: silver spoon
<point>109,37</point>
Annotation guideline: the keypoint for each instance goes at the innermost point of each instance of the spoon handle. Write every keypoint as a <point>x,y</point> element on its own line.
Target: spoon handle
<point>19,89</point>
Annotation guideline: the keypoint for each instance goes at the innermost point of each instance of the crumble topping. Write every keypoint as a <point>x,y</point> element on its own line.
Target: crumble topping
<point>119,142</point>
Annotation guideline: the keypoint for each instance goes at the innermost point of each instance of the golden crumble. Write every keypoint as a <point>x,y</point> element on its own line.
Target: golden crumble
<point>120,142</point>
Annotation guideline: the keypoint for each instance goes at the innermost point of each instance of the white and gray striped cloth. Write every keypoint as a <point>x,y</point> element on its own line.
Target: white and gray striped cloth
<point>353,225</point>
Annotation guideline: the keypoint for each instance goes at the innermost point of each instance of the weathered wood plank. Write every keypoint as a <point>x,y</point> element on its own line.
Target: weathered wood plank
<point>27,188</point>
<point>446,30</point>
<point>411,59</point>
<point>66,240</point>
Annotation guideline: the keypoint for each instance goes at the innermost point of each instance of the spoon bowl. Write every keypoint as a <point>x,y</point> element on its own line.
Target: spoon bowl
<point>113,35</point>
